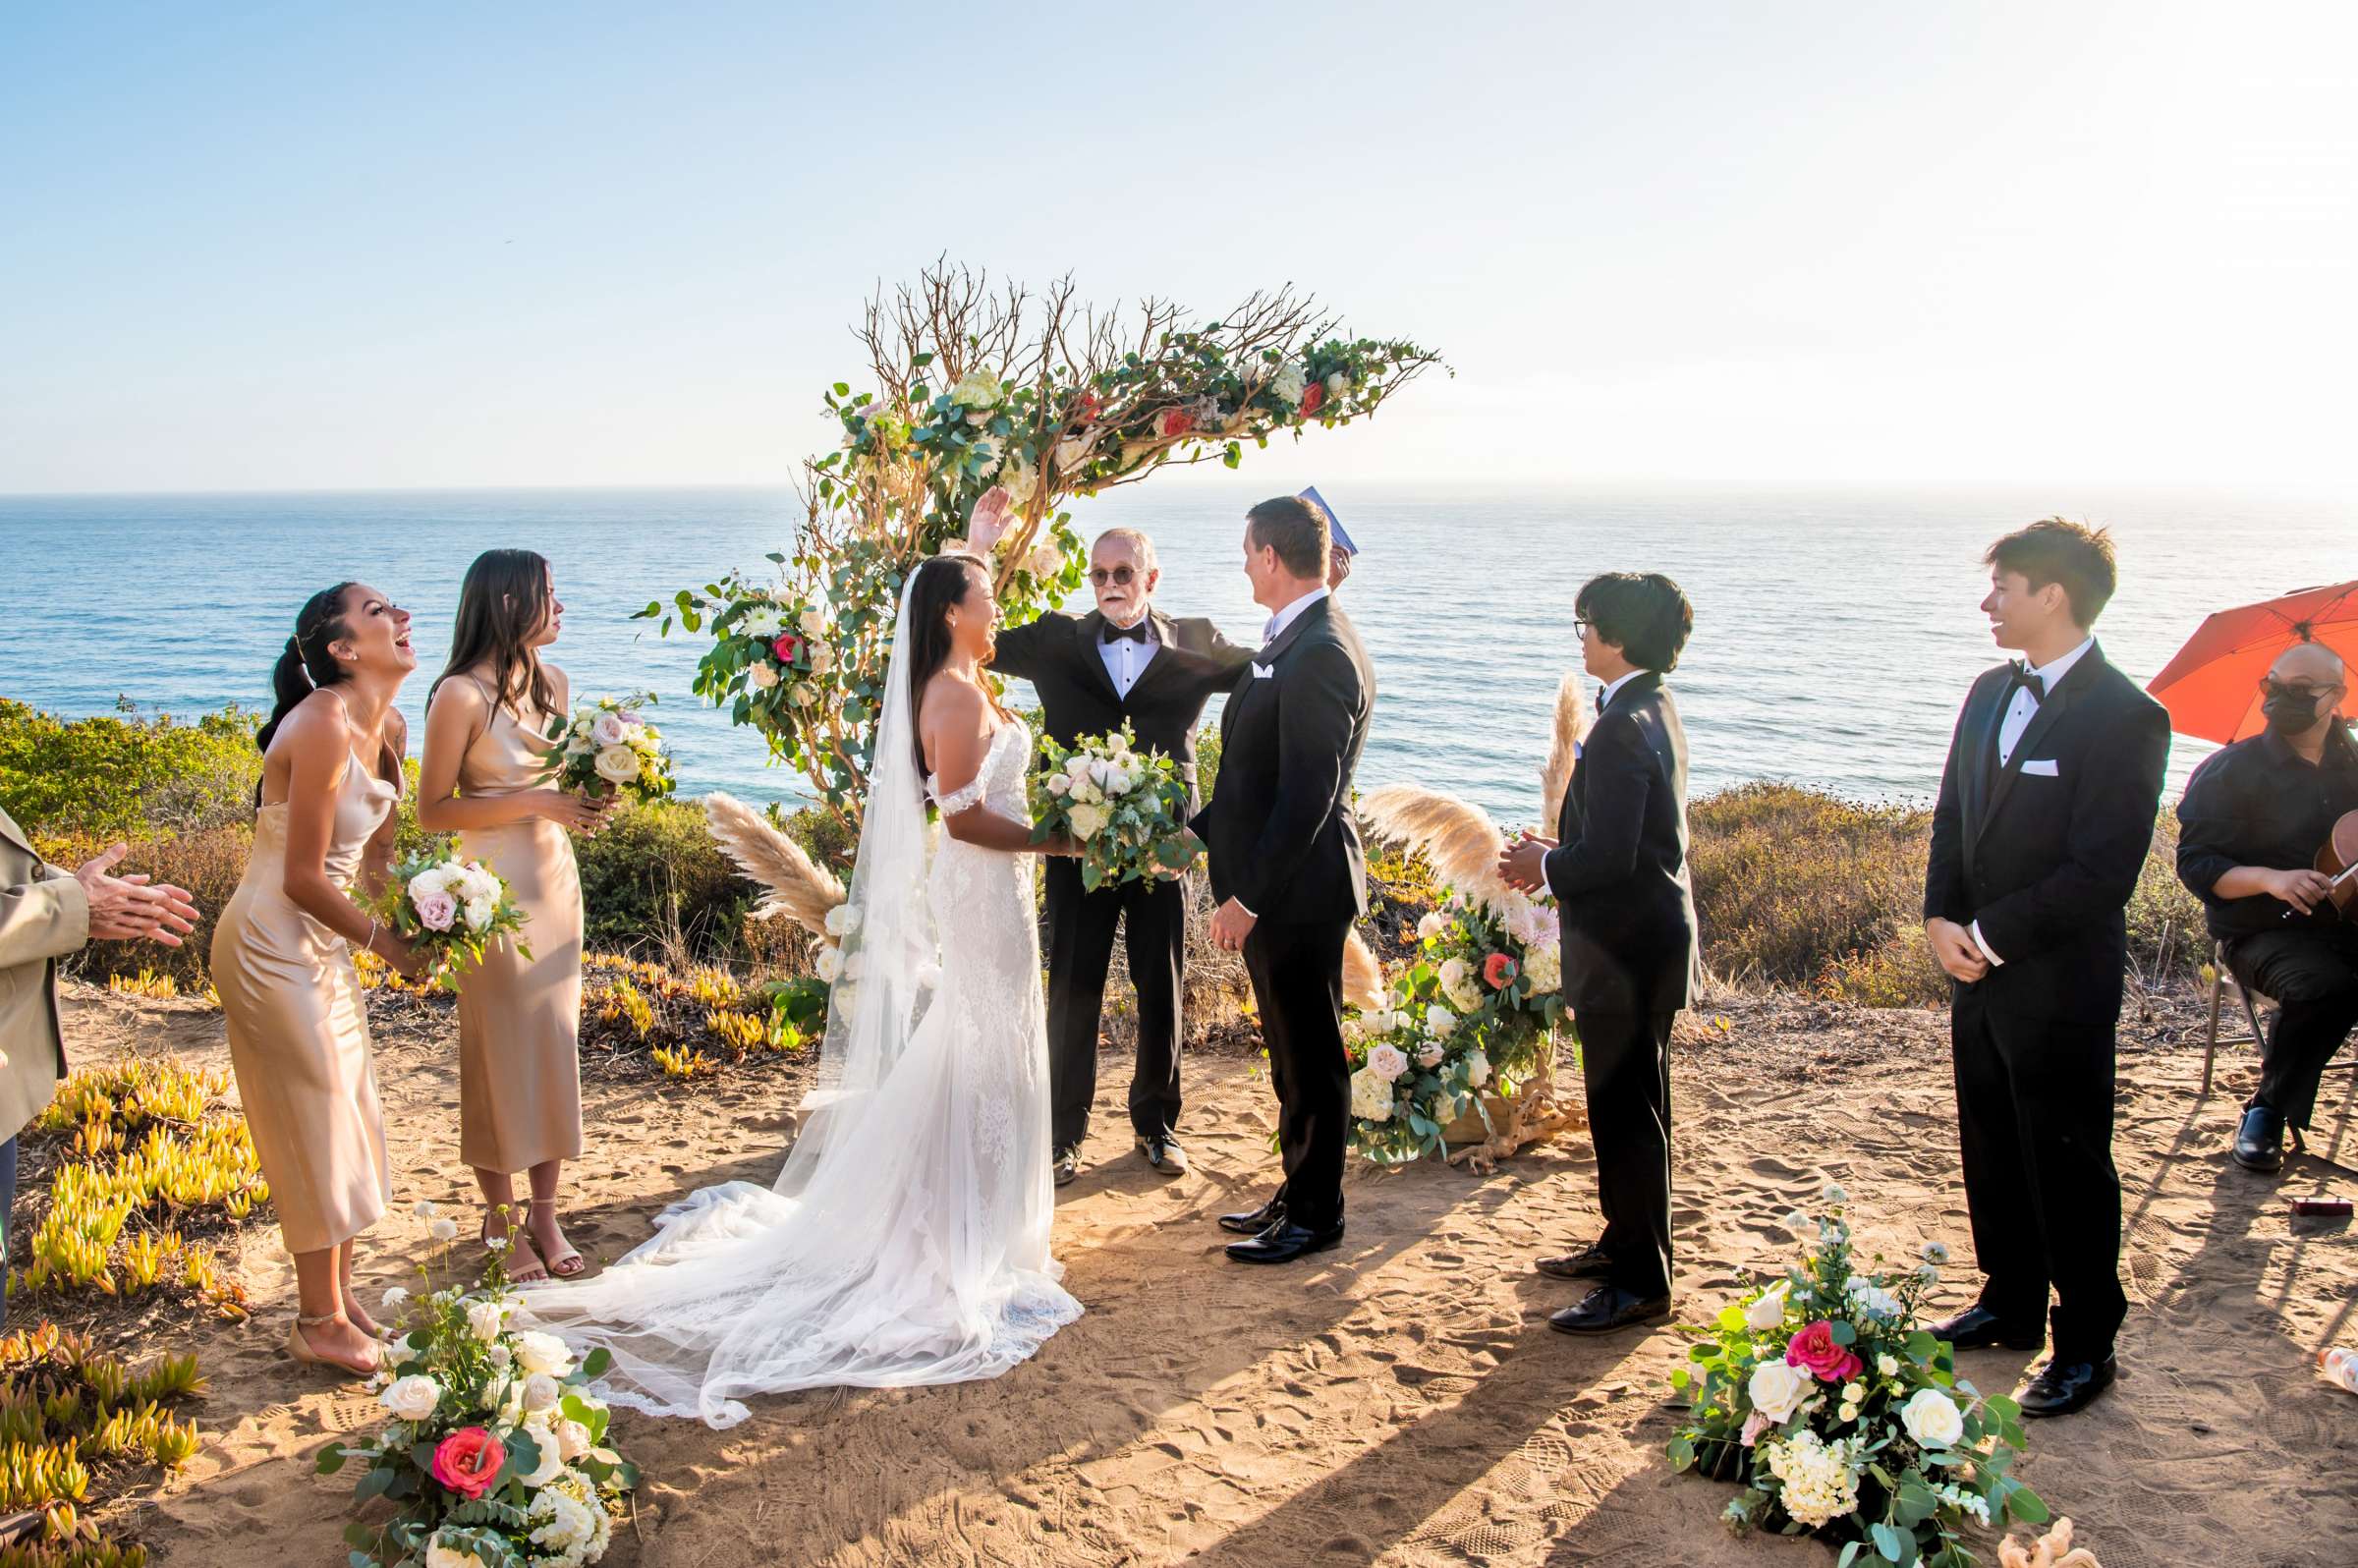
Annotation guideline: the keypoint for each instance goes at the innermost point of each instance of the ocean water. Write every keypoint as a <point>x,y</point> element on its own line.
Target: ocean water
<point>1834,635</point>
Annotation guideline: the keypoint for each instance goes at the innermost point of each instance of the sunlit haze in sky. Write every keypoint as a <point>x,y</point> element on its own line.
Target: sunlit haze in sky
<point>291,247</point>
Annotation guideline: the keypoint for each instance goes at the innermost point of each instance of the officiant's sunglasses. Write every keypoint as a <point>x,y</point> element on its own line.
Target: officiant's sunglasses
<point>2271,686</point>
<point>1119,576</point>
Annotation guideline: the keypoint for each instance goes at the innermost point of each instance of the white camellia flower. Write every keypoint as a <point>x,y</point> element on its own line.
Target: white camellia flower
<point>482,1320</point>
<point>1440,1021</point>
<point>1776,1390</point>
<point>543,1352</point>
<point>1430,1054</point>
<point>1432,926</point>
<point>1370,1097</point>
<point>1769,1311</point>
<point>1087,821</point>
<point>411,1398</point>
<point>762,675</point>
<point>1388,1062</point>
<point>1932,1418</point>
<point>828,963</point>
<point>540,1391</point>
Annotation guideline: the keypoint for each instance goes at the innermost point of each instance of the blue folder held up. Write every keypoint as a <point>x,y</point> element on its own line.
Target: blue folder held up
<point>1334,525</point>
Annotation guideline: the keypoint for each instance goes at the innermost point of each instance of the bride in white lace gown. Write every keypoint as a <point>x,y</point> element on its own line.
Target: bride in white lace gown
<point>906,1240</point>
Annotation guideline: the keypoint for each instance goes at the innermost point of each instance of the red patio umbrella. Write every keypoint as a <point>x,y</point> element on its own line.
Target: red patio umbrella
<point>2212,689</point>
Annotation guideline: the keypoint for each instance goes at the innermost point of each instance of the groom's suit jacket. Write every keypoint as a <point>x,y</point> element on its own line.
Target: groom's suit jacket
<point>2044,851</point>
<point>1619,868</point>
<point>1279,826</point>
<point>1058,655</point>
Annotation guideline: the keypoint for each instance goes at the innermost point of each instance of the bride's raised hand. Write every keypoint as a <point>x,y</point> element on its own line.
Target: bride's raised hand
<point>989,521</point>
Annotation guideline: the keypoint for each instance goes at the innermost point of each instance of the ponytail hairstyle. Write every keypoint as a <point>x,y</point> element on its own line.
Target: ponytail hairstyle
<point>306,665</point>
<point>504,599</point>
<point>941,581</point>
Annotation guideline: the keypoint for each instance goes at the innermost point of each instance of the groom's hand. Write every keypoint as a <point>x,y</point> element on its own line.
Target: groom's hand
<point>1523,864</point>
<point>1231,924</point>
<point>1953,946</point>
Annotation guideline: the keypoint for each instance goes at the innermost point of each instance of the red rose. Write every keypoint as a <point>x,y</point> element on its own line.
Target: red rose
<point>1814,1352</point>
<point>468,1461</point>
<point>1177,422</point>
<point>1088,408</point>
<point>786,647</point>
<point>1313,396</point>
<point>1499,970</point>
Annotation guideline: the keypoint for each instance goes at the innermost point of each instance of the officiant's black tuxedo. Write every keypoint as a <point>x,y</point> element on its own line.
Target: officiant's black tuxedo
<point>1627,909</point>
<point>1058,653</point>
<point>1283,843</point>
<point>2044,853</point>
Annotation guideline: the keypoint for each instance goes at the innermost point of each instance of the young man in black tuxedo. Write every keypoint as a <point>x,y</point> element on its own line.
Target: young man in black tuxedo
<point>2248,831</point>
<point>1286,865</point>
<point>1618,869</point>
<point>1125,661</point>
<point>2045,814</point>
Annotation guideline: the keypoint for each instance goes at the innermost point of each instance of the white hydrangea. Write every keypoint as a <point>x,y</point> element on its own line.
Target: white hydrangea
<point>569,1525</point>
<point>1370,1097</point>
<point>1820,1485</point>
<point>1543,967</point>
<point>1290,383</point>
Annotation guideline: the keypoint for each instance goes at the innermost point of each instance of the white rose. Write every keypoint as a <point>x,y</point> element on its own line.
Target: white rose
<point>1453,973</point>
<point>828,963</point>
<point>1087,821</point>
<point>540,1391</point>
<point>1337,385</point>
<point>572,1439</point>
<point>443,1230</point>
<point>1776,1390</point>
<point>552,1458</point>
<point>1932,1420</point>
<point>1477,1070</point>
<point>1432,926</point>
<point>1370,1097</point>
<point>434,879</point>
<point>1353,1031</point>
<point>543,1352</point>
<point>411,1398</point>
<point>438,1555</point>
<point>1430,1054</point>
<point>479,913</point>
<point>822,659</point>
<point>1440,1021</point>
<point>617,765</point>
<point>843,919</point>
<point>1119,782</point>
<point>802,693</point>
<point>1059,785</point>
<point>610,729</point>
<point>1387,1063</point>
<point>1770,1309</point>
<point>976,389</point>
<point>482,1320</point>
<point>1888,1364</point>
<point>762,674</point>
<point>812,621</point>
<point>1086,791</point>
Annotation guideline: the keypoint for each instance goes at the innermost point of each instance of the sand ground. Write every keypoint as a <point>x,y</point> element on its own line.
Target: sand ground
<point>1400,1400</point>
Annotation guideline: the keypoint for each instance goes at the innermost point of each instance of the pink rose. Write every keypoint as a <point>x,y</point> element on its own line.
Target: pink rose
<point>1754,1424</point>
<point>1313,396</point>
<point>1499,970</point>
<point>435,911</point>
<point>1814,1352</point>
<point>468,1461</point>
<point>786,647</point>
<point>1177,422</point>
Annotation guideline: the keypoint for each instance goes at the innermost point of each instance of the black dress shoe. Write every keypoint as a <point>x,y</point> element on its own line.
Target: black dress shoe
<point>2259,1141</point>
<point>1590,1263</point>
<point>1607,1307</point>
<point>1164,1154</point>
<point>1269,1213</point>
<point>2064,1386</point>
<point>1282,1243</point>
<point>1067,1166</point>
<point>1977,1327</point>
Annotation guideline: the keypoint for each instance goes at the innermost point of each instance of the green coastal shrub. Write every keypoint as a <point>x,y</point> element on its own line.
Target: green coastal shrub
<point>126,777</point>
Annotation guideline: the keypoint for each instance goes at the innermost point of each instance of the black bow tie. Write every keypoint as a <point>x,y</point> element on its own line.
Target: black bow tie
<point>1135,633</point>
<point>2024,680</point>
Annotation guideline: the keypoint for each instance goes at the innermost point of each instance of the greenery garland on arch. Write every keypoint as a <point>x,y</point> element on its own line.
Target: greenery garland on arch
<point>979,387</point>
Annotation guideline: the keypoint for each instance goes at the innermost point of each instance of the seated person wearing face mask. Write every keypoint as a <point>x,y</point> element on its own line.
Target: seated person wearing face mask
<point>2252,822</point>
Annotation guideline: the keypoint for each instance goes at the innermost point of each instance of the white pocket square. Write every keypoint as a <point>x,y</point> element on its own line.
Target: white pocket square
<point>1262,672</point>
<point>2043,768</point>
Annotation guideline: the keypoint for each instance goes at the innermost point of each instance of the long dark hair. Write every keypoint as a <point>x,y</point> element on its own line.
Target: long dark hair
<point>940,582</point>
<point>305,664</point>
<point>503,601</point>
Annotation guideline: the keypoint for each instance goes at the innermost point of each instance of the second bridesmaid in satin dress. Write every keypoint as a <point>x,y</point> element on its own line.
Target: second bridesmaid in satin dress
<point>484,778</point>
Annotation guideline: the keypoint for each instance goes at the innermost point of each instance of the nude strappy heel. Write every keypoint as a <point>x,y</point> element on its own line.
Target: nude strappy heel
<point>567,1263</point>
<point>300,1348</point>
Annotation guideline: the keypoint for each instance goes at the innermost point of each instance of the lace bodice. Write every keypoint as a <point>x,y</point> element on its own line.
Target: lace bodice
<point>1000,779</point>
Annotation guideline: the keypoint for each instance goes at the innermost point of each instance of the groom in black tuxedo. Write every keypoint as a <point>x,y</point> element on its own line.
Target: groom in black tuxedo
<point>1123,661</point>
<point>2045,814</point>
<point>1618,870</point>
<point>1286,865</point>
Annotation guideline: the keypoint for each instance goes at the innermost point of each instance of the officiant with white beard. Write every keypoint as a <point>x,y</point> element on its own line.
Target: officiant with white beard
<point>1123,663</point>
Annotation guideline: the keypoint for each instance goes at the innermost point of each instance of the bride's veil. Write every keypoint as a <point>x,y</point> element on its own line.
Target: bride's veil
<point>890,947</point>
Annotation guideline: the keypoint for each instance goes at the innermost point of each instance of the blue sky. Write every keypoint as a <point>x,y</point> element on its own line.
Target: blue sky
<point>284,247</point>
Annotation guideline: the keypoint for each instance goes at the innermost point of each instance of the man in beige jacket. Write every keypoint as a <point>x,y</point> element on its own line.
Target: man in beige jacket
<point>46,912</point>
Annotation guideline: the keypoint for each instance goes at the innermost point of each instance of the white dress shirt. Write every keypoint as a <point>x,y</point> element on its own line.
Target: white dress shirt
<point>1290,614</point>
<point>1127,660</point>
<point>1612,689</point>
<point>2009,735</point>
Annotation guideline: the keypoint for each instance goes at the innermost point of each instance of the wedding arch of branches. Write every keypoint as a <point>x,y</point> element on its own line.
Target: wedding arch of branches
<point>979,385</point>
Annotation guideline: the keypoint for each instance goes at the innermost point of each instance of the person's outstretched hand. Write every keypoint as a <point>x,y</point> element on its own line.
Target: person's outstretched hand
<point>989,521</point>
<point>129,908</point>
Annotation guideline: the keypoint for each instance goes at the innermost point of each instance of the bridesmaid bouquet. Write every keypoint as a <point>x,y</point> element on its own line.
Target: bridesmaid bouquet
<point>1127,809</point>
<point>453,909</point>
<point>606,748</point>
<point>497,1450</point>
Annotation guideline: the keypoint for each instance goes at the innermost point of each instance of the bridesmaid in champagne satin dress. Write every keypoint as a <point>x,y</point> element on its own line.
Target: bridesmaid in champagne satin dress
<point>282,952</point>
<point>484,777</point>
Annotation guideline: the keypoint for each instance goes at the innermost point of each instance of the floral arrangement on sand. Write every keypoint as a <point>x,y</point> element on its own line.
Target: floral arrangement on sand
<point>496,1454</point>
<point>1843,1418</point>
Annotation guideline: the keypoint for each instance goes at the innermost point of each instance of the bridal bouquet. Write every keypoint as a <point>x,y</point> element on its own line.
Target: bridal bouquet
<point>497,1453</point>
<point>1843,1419</point>
<point>1127,809</point>
<point>607,749</point>
<point>453,909</point>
